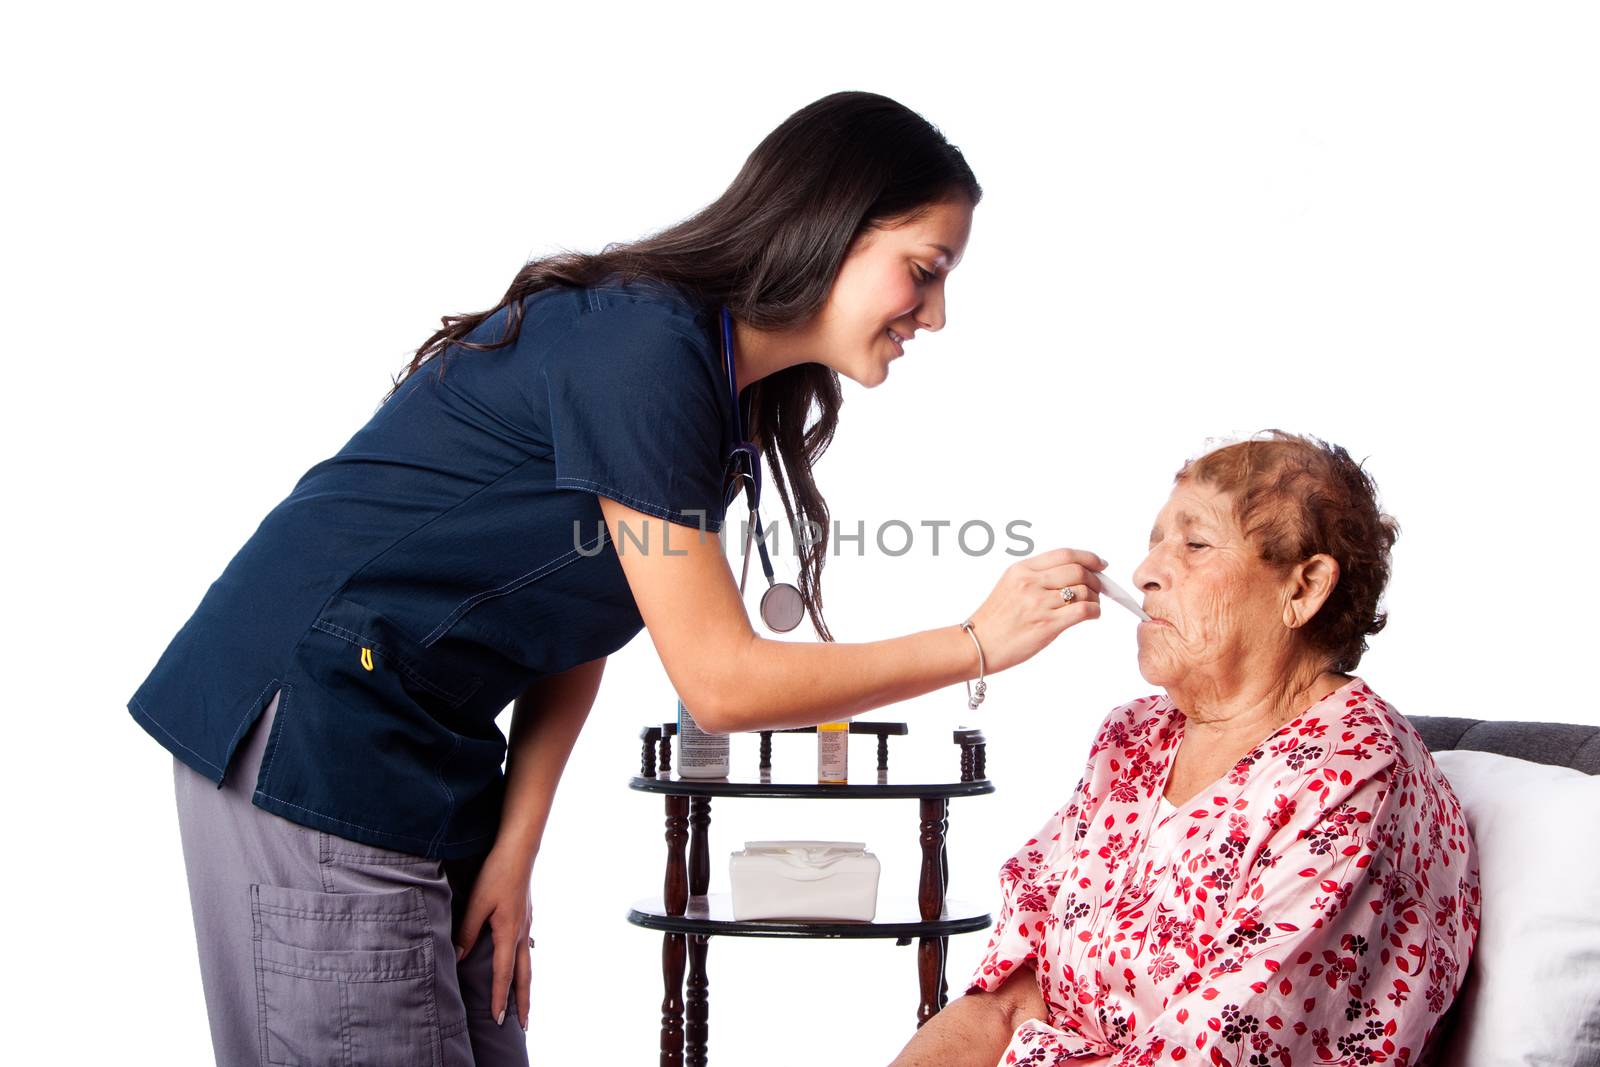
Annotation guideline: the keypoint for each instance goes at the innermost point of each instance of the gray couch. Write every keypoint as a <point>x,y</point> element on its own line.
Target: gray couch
<point>1558,743</point>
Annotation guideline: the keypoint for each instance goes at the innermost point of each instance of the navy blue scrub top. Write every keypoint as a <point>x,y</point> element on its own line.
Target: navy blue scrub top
<point>456,544</point>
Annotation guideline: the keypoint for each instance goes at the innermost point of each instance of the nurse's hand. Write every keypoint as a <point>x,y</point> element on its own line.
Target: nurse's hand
<point>1025,612</point>
<point>501,900</point>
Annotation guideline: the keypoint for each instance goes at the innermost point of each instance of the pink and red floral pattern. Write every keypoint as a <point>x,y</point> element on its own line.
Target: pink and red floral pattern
<point>1316,905</point>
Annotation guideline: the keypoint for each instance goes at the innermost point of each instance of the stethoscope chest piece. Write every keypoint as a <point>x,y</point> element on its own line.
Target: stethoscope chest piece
<point>782,607</point>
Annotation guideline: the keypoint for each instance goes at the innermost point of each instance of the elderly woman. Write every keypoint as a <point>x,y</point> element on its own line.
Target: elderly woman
<point>1263,866</point>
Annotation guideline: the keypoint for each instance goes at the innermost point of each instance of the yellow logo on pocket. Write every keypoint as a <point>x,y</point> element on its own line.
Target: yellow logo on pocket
<point>366,658</point>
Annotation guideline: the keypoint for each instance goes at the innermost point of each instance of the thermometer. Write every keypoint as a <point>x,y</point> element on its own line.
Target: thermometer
<point>1117,593</point>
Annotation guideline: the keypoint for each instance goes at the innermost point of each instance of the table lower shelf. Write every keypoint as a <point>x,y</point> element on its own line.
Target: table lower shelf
<point>713,914</point>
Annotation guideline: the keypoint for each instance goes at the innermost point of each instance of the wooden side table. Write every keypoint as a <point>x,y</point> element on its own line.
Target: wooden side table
<point>688,918</point>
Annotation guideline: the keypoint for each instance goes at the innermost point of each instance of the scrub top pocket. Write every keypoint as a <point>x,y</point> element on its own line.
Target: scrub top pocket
<point>376,646</point>
<point>427,767</point>
<point>344,979</point>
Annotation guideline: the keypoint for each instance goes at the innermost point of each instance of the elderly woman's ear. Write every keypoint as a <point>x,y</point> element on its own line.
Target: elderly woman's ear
<point>1309,585</point>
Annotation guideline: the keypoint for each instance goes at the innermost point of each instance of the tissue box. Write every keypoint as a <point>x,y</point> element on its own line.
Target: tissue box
<point>804,880</point>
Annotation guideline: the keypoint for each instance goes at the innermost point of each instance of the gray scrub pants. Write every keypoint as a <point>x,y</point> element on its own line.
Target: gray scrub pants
<point>316,950</point>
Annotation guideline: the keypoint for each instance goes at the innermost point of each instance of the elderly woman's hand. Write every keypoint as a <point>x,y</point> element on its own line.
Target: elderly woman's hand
<point>1026,611</point>
<point>976,1027</point>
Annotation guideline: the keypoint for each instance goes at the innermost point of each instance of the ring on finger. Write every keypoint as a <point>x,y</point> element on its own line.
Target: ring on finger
<point>1067,594</point>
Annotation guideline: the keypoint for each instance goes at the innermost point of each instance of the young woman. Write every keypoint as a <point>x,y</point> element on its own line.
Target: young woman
<point>537,487</point>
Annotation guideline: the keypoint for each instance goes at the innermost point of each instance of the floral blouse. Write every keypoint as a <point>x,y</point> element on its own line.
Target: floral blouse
<point>1317,905</point>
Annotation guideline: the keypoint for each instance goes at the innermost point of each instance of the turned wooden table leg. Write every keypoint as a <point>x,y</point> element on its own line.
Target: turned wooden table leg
<point>699,845</point>
<point>675,892</point>
<point>697,1029</point>
<point>675,895</point>
<point>697,1009</point>
<point>944,882</point>
<point>930,902</point>
<point>672,1001</point>
<point>944,988</point>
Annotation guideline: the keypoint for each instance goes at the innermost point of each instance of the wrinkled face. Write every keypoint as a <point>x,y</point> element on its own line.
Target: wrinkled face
<point>890,285</point>
<point>1215,603</point>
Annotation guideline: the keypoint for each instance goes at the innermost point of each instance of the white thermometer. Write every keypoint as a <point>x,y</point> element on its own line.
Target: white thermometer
<point>1117,593</point>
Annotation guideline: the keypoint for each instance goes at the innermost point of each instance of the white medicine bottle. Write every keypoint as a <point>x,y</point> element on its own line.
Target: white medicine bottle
<point>700,754</point>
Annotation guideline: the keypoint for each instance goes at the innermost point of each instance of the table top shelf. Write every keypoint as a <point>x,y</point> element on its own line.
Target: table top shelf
<point>656,770</point>
<point>896,918</point>
<point>740,786</point>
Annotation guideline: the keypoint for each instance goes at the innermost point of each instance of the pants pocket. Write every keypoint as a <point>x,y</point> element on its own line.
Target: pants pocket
<point>344,979</point>
<point>336,853</point>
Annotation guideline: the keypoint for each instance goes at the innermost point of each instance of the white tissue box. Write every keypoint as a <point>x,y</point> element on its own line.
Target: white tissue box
<point>804,880</point>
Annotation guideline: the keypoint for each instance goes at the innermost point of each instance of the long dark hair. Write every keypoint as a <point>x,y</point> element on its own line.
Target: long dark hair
<point>768,248</point>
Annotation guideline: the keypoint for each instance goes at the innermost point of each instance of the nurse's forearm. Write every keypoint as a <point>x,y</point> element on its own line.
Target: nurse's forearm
<point>777,684</point>
<point>731,679</point>
<point>544,725</point>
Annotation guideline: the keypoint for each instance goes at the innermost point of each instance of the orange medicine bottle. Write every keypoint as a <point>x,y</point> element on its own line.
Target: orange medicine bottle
<point>833,753</point>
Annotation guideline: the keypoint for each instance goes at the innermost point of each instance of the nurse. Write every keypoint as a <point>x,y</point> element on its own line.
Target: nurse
<point>544,480</point>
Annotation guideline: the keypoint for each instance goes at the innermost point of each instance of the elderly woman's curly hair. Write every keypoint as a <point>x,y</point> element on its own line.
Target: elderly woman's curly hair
<point>1296,496</point>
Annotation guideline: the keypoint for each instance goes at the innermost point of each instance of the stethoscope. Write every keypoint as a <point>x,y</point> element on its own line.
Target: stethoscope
<point>782,606</point>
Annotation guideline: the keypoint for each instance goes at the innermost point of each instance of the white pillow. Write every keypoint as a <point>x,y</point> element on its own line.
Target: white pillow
<point>1533,987</point>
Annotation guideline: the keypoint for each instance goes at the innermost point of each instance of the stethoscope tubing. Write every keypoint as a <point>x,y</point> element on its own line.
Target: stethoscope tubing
<point>782,606</point>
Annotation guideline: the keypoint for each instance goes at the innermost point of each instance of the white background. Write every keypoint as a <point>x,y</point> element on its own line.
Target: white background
<point>226,228</point>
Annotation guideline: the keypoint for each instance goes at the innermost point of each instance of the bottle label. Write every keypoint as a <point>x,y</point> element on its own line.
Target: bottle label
<point>698,750</point>
<point>833,753</point>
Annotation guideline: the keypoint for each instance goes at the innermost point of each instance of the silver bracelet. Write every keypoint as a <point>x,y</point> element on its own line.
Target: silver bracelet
<point>975,697</point>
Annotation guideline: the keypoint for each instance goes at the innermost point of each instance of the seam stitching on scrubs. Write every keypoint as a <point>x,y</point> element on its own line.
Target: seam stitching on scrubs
<point>509,587</point>
<point>346,1038</point>
<point>339,975</point>
<point>449,795</point>
<point>464,501</point>
<point>256,954</point>
<point>435,1039</point>
<point>157,724</point>
<point>358,826</point>
<point>264,772</point>
<point>645,506</point>
<point>238,731</point>
<point>409,915</point>
<point>399,859</point>
<point>324,865</point>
